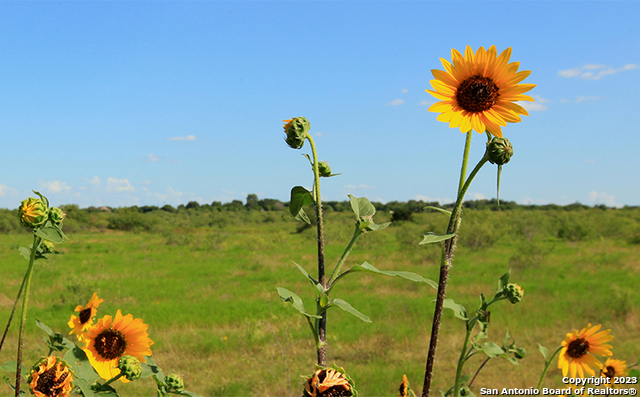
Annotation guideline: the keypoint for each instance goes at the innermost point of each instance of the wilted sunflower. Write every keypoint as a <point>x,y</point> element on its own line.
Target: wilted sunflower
<point>85,319</point>
<point>50,377</point>
<point>109,340</point>
<point>478,91</point>
<point>327,383</point>
<point>578,348</point>
<point>614,368</point>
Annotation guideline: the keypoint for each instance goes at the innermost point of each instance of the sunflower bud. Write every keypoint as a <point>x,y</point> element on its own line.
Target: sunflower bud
<point>50,374</point>
<point>296,131</point>
<point>46,247</point>
<point>174,382</point>
<point>56,215</point>
<point>130,367</point>
<point>465,391</point>
<point>513,292</point>
<point>500,151</point>
<point>520,353</point>
<point>324,169</point>
<point>33,212</point>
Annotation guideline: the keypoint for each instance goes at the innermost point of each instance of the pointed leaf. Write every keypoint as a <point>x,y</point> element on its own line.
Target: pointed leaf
<point>435,238</point>
<point>11,366</point>
<point>458,310</point>
<point>438,209</point>
<point>504,280</point>
<point>308,158</point>
<point>492,350</point>
<point>25,252</point>
<point>300,198</point>
<point>348,308</point>
<point>44,327</point>
<point>304,272</point>
<point>295,300</point>
<point>361,206</point>
<point>51,233</point>
<point>544,351</point>
<point>367,267</point>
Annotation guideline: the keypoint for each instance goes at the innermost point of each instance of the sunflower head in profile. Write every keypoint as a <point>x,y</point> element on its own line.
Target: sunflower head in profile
<point>84,320</point>
<point>329,382</point>
<point>614,368</point>
<point>579,348</point>
<point>478,91</point>
<point>50,377</point>
<point>111,339</point>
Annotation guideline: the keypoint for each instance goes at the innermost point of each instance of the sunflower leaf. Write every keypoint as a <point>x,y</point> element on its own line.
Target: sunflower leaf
<point>430,238</point>
<point>300,198</point>
<point>149,368</point>
<point>367,267</point>
<point>350,309</point>
<point>458,310</point>
<point>438,209</point>
<point>544,351</point>
<point>361,206</point>
<point>25,252</point>
<point>295,300</point>
<point>492,350</point>
<point>51,233</point>
<point>187,393</point>
<point>44,327</point>
<point>11,367</point>
<point>79,363</point>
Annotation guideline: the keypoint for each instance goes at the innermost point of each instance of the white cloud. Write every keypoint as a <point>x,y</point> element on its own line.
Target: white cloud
<point>396,102</point>
<point>55,187</point>
<point>94,181</point>
<point>119,185</point>
<point>183,138</point>
<point>479,196</point>
<point>404,91</point>
<point>594,71</point>
<point>597,198</point>
<point>152,158</point>
<point>6,190</point>
<point>538,105</point>
<point>172,196</point>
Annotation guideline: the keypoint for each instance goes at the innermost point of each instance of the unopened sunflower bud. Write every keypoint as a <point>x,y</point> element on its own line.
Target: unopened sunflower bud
<point>130,367</point>
<point>33,212</point>
<point>46,247</point>
<point>56,215</point>
<point>296,131</point>
<point>500,151</point>
<point>513,292</point>
<point>174,382</point>
<point>520,353</point>
<point>324,169</point>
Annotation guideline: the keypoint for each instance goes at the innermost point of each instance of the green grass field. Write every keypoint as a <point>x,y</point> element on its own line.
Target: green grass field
<point>209,296</point>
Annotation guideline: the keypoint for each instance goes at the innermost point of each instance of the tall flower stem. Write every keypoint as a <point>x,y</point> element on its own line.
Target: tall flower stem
<point>546,368</point>
<point>322,323</point>
<point>13,310</point>
<point>25,304</point>
<point>447,260</point>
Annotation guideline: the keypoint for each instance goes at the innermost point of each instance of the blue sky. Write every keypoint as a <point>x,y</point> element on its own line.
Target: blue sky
<point>153,103</point>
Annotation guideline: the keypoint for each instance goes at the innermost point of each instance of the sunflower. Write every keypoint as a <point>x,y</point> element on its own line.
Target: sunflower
<point>50,377</point>
<point>84,320</point>
<point>478,91</point>
<point>578,349</point>
<point>614,368</point>
<point>109,340</point>
<point>327,383</point>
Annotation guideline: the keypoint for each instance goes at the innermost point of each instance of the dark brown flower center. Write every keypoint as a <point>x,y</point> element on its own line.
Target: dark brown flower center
<point>110,344</point>
<point>477,94</point>
<point>578,348</point>
<point>85,315</point>
<point>609,372</point>
<point>47,383</point>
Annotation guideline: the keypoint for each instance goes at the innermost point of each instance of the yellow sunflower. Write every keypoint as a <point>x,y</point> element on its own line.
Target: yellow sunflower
<point>614,368</point>
<point>109,340</point>
<point>85,319</point>
<point>478,91</point>
<point>50,377</point>
<point>578,349</point>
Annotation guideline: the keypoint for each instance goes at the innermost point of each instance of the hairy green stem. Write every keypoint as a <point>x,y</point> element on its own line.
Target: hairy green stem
<point>322,323</point>
<point>25,304</point>
<point>462,359</point>
<point>546,367</point>
<point>336,271</point>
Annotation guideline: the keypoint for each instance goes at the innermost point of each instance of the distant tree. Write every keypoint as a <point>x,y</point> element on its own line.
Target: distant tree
<point>192,204</point>
<point>168,208</point>
<point>252,202</point>
<point>235,205</point>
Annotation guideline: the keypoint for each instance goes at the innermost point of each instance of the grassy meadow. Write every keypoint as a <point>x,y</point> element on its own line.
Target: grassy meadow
<point>205,283</point>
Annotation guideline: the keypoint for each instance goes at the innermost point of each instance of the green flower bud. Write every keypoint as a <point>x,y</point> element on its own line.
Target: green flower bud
<point>500,151</point>
<point>33,212</point>
<point>46,247</point>
<point>483,316</point>
<point>324,169</point>
<point>130,367</point>
<point>174,382</point>
<point>513,292</point>
<point>520,353</point>
<point>465,391</point>
<point>296,131</point>
<point>56,215</point>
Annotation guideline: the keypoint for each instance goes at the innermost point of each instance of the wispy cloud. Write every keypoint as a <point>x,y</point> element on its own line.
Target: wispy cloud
<point>404,91</point>
<point>119,185</point>
<point>595,71</point>
<point>536,106</point>
<point>396,102</point>
<point>7,191</point>
<point>183,138</point>
<point>426,103</point>
<point>94,181</point>
<point>55,187</point>
<point>152,158</point>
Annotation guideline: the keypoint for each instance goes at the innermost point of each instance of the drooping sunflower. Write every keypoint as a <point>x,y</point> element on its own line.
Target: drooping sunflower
<point>50,377</point>
<point>478,91</point>
<point>578,349</point>
<point>111,339</point>
<point>328,383</point>
<point>614,368</point>
<point>85,319</point>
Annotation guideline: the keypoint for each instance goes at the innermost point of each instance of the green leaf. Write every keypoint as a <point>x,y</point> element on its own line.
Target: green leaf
<point>295,300</point>
<point>25,252</point>
<point>44,327</point>
<point>22,392</point>
<point>348,308</point>
<point>544,351</point>
<point>635,373</point>
<point>304,272</point>
<point>11,367</point>
<point>51,233</point>
<point>43,198</point>
<point>367,267</point>
<point>361,206</point>
<point>504,280</point>
<point>79,363</point>
<point>187,393</point>
<point>492,349</point>
<point>438,209</point>
<point>308,158</point>
<point>300,198</point>
<point>84,387</point>
<point>458,310</point>
<point>435,238</point>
